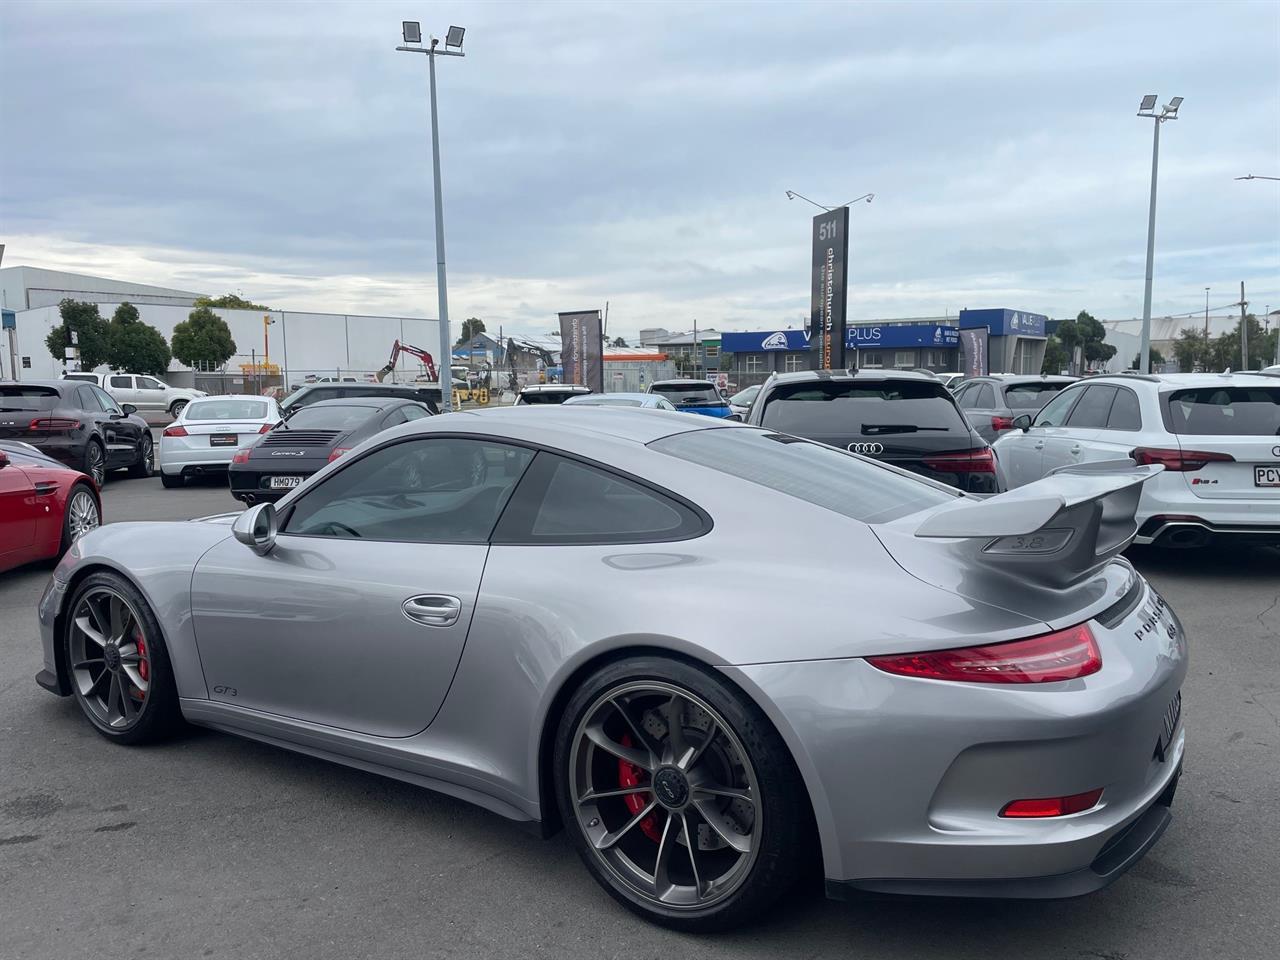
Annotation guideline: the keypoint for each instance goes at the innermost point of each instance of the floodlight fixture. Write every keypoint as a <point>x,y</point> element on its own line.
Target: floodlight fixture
<point>1174,104</point>
<point>454,37</point>
<point>1148,104</point>
<point>411,30</point>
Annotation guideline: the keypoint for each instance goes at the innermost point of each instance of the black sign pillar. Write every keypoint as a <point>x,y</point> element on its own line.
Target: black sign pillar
<point>830,285</point>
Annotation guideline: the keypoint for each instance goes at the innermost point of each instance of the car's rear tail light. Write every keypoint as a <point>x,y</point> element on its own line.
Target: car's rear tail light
<point>241,456</point>
<point>1053,806</point>
<point>338,452</point>
<point>980,460</point>
<point>175,431</point>
<point>1181,461</point>
<point>1002,423</point>
<point>1061,655</point>
<point>53,425</point>
<point>266,428</point>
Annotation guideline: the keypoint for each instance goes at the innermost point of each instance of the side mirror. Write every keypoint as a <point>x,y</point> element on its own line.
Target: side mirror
<point>256,528</point>
<point>1022,422</point>
<point>4,459</point>
<point>129,409</point>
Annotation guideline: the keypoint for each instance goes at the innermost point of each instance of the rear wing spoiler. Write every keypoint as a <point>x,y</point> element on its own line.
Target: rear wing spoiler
<point>1053,533</point>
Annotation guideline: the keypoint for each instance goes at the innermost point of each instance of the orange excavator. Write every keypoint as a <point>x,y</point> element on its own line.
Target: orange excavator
<point>425,358</point>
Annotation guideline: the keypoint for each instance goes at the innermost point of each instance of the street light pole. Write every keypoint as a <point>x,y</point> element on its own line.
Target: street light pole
<point>413,34</point>
<point>1168,112</point>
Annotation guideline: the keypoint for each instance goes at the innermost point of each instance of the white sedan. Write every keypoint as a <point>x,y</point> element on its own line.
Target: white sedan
<point>208,433</point>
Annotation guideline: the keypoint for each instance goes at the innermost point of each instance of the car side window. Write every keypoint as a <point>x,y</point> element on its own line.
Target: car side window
<point>564,501</point>
<point>1094,407</point>
<point>424,490</point>
<point>146,383</point>
<point>87,401</point>
<point>1054,413</point>
<point>666,405</point>
<point>392,419</point>
<point>106,402</point>
<point>965,397</point>
<point>986,397</point>
<point>122,383</point>
<point>413,412</point>
<point>1125,414</point>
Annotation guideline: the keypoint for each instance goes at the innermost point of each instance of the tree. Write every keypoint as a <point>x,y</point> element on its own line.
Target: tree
<point>470,327</point>
<point>1157,358</point>
<point>619,342</point>
<point>1225,354</point>
<point>1192,349</point>
<point>203,339</point>
<point>1055,357</point>
<point>229,301</point>
<point>135,346</point>
<point>1086,332</point>
<point>90,330</point>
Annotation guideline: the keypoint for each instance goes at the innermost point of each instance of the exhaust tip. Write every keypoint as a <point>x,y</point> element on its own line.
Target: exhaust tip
<point>1185,538</point>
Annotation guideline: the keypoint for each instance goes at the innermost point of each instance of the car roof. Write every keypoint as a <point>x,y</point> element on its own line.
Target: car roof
<point>684,382</point>
<point>373,403</point>
<point>555,388</point>
<point>603,423</point>
<point>60,385</point>
<point>1190,380</point>
<point>347,385</point>
<point>643,397</point>
<point>1012,379</point>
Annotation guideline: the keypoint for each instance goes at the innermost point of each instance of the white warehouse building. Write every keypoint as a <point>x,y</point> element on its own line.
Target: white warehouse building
<point>301,344</point>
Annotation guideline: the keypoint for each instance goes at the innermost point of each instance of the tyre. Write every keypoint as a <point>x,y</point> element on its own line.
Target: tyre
<point>119,668</point>
<point>145,465</point>
<point>95,462</point>
<point>80,516</point>
<point>680,797</point>
<point>175,408</point>
<point>171,480</point>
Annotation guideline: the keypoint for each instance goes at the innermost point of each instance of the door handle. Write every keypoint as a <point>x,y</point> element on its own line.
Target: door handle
<point>1075,449</point>
<point>433,609</point>
<point>1039,444</point>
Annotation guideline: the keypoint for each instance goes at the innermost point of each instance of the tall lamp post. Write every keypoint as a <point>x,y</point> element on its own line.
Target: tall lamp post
<point>412,33</point>
<point>1168,112</point>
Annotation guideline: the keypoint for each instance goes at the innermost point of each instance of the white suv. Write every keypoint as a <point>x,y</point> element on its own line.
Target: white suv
<point>148,394</point>
<point>1217,436</point>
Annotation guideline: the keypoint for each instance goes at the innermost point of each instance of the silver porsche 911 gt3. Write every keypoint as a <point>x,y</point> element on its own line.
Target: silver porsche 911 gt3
<point>717,655</point>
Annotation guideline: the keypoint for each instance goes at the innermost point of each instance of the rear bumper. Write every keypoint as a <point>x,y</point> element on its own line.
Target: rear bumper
<point>1125,848</point>
<point>1168,511</point>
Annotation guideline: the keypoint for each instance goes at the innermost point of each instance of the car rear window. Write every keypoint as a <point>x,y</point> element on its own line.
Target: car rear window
<point>546,396</point>
<point>1224,411</point>
<point>336,417</point>
<point>27,397</point>
<point>813,472</point>
<point>1030,396</point>
<point>870,408</point>
<point>226,410</point>
<point>679,393</point>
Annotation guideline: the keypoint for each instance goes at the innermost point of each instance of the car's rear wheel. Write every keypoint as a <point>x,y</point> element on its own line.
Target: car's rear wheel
<point>118,664</point>
<point>146,462</point>
<point>680,796</point>
<point>171,480</point>
<point>95,462</point>
<point>80,516</point>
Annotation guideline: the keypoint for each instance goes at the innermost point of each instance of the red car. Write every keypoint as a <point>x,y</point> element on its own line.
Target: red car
<point>44,505</point>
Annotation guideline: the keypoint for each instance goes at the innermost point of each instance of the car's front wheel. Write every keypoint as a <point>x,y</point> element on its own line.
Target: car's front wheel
<point>80,516</point>
<point>118,664</point>
<point>176,407</point>
<point>679,795</point>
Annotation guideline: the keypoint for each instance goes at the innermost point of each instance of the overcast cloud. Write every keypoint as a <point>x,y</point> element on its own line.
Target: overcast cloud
<point>639,153</point>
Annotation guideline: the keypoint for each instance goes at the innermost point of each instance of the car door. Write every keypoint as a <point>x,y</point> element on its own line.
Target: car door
<point>1121,432</point>
<point>1067,445</point>
<point>19,508</point>
<point>150,394</point>
<point>121,388</point>
<point>358,615</point>
<point>1021,452</point>
<point>119,433</point>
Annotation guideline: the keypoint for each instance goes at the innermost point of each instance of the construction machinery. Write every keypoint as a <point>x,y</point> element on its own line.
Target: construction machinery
<point>424,358</point>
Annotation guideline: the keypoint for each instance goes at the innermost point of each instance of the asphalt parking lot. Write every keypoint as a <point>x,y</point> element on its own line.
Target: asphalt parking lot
<point>212,846</point>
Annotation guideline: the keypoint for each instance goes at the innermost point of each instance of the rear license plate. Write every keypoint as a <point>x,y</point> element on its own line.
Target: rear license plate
<point>1267,476</point>
<point>1169,726</point>
<point>284,483</point>
<point>222,440</point>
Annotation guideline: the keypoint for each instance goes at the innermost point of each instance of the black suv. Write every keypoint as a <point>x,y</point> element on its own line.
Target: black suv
<point>314,392</point>
<point>898,417</point>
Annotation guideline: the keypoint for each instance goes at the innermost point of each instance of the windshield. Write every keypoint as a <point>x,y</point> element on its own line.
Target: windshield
<point>329,418</point>
<point>1225,412</point>
<point>686,393</point>
<point>870,408</point>
<point>743,398</point>
<point>226,409</point>
<point>15,397</point>
<point>813,472</point>
<point>1030,396</point>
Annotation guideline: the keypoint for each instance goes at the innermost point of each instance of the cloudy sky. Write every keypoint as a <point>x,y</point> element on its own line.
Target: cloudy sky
<point>639,153</point>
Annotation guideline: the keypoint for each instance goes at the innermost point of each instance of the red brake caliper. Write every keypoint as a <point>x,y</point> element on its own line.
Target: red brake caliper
<point>629,775</point>
<point>144,668</point>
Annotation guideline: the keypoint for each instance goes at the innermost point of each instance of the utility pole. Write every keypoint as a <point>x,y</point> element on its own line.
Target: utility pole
<point>1244,331</point>
<point>1206,313</point>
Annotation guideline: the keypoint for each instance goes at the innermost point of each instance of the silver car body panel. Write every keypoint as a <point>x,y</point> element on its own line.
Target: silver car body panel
<point>905,775</point>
